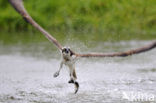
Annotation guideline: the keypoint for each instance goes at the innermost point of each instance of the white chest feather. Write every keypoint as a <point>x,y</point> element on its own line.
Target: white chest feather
<point>69,61</point>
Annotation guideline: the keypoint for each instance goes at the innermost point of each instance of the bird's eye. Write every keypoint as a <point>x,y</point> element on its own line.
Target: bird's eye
<point>66,50</point>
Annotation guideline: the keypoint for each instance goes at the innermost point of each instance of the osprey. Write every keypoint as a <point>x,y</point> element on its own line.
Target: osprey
<point>69,57</point>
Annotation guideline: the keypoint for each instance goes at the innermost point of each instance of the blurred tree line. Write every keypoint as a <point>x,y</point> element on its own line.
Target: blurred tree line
<point>84,16</point>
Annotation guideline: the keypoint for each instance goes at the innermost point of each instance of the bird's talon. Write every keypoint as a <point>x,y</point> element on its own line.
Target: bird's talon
<point>56,74</point>
<point>71,81</point>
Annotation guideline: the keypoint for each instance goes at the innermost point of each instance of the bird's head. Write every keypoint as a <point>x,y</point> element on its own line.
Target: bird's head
<point>66,51</point>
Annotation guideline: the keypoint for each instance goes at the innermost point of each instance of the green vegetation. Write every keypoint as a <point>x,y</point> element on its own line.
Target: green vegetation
<point>93,19</point>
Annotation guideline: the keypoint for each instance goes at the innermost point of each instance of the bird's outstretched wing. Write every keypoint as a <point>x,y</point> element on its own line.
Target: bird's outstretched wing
<point>120,54</point>
<point>18,5</point>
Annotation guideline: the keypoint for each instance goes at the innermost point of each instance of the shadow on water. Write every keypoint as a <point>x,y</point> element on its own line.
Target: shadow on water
<point>26,74</point>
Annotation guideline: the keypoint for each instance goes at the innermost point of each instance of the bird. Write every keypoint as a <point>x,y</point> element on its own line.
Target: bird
<point>69,57</point>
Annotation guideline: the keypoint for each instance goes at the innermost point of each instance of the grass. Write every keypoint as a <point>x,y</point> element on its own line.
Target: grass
<point>86,19</point>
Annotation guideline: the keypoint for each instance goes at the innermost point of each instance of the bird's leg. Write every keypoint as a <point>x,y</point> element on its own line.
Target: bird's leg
<point>57,73</point>
<point>72,75</point>
<point>73,78</point>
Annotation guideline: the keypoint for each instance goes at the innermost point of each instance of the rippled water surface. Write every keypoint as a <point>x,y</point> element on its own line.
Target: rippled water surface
<point>26,75</point>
